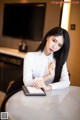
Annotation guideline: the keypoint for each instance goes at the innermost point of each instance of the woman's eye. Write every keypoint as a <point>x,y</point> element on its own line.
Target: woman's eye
<point>53,40</point>
<point>60,45</point>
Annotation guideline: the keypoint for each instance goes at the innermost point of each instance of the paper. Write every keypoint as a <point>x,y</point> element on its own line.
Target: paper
<point>34,90</point>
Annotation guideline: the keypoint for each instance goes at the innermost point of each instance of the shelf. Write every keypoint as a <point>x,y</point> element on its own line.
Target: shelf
<point>12,52</point>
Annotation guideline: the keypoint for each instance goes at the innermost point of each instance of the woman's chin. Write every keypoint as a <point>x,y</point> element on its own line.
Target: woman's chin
<point>50,51</point>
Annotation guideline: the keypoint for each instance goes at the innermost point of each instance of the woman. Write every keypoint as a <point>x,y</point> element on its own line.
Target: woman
<point>46,68</point>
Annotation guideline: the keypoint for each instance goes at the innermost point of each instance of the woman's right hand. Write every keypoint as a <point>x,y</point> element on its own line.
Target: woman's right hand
<point>51,69</point>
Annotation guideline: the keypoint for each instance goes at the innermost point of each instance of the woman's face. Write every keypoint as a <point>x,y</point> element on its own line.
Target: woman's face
<point>53,44</point>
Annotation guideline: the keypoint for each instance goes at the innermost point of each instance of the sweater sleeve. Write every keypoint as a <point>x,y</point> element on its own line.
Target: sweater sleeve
<point>64,80</point>
<point>28,79</point>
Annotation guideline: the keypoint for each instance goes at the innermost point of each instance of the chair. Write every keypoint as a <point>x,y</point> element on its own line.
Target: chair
<point>5,100</point>
<point>15,87</point>
<point>2,96</point>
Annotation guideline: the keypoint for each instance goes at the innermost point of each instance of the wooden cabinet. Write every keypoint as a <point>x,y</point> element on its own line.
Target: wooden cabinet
<point>11,67</point>
<point>9,72</point>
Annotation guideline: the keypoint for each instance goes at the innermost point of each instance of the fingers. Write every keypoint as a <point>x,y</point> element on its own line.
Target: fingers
<point>51,65</point>
<point>39,84</point>
<point>51,69</point>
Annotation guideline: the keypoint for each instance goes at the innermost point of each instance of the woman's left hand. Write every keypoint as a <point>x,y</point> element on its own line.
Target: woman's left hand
<point>41,84</point>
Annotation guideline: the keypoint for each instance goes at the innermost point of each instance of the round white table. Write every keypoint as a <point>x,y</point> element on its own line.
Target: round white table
<point>61,104</point>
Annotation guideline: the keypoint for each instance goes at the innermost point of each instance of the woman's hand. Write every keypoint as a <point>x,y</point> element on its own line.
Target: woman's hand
<point>51,68</point>
<point>51,71</point>
<point>41,84</point>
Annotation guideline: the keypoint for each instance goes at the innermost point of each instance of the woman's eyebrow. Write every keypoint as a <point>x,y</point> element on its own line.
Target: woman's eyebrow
<point>55,39</point>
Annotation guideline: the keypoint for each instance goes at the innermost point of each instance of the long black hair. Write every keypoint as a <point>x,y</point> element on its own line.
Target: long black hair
<point>60,55</point>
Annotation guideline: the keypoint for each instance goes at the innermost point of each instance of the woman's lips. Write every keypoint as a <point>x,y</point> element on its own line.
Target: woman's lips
<point>50,49</point>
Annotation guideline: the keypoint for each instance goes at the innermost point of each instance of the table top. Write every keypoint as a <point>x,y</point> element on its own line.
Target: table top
<point>61,104</point>
<point>12,52</point>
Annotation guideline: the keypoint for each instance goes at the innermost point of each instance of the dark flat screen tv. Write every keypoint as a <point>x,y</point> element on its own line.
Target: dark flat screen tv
<point>25,21</point>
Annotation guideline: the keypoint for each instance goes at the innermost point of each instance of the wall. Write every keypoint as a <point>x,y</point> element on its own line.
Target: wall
<point>74,55</point>
<point>51,20</point>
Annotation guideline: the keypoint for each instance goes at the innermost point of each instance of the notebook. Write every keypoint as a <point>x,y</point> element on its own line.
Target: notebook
<point>32,91</point>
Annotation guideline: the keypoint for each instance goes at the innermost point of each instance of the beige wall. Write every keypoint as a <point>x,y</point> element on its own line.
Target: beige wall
<point>74,55</point>
<point>51,20</point>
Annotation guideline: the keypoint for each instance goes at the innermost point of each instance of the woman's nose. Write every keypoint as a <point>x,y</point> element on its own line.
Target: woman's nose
<point>55,45</point>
